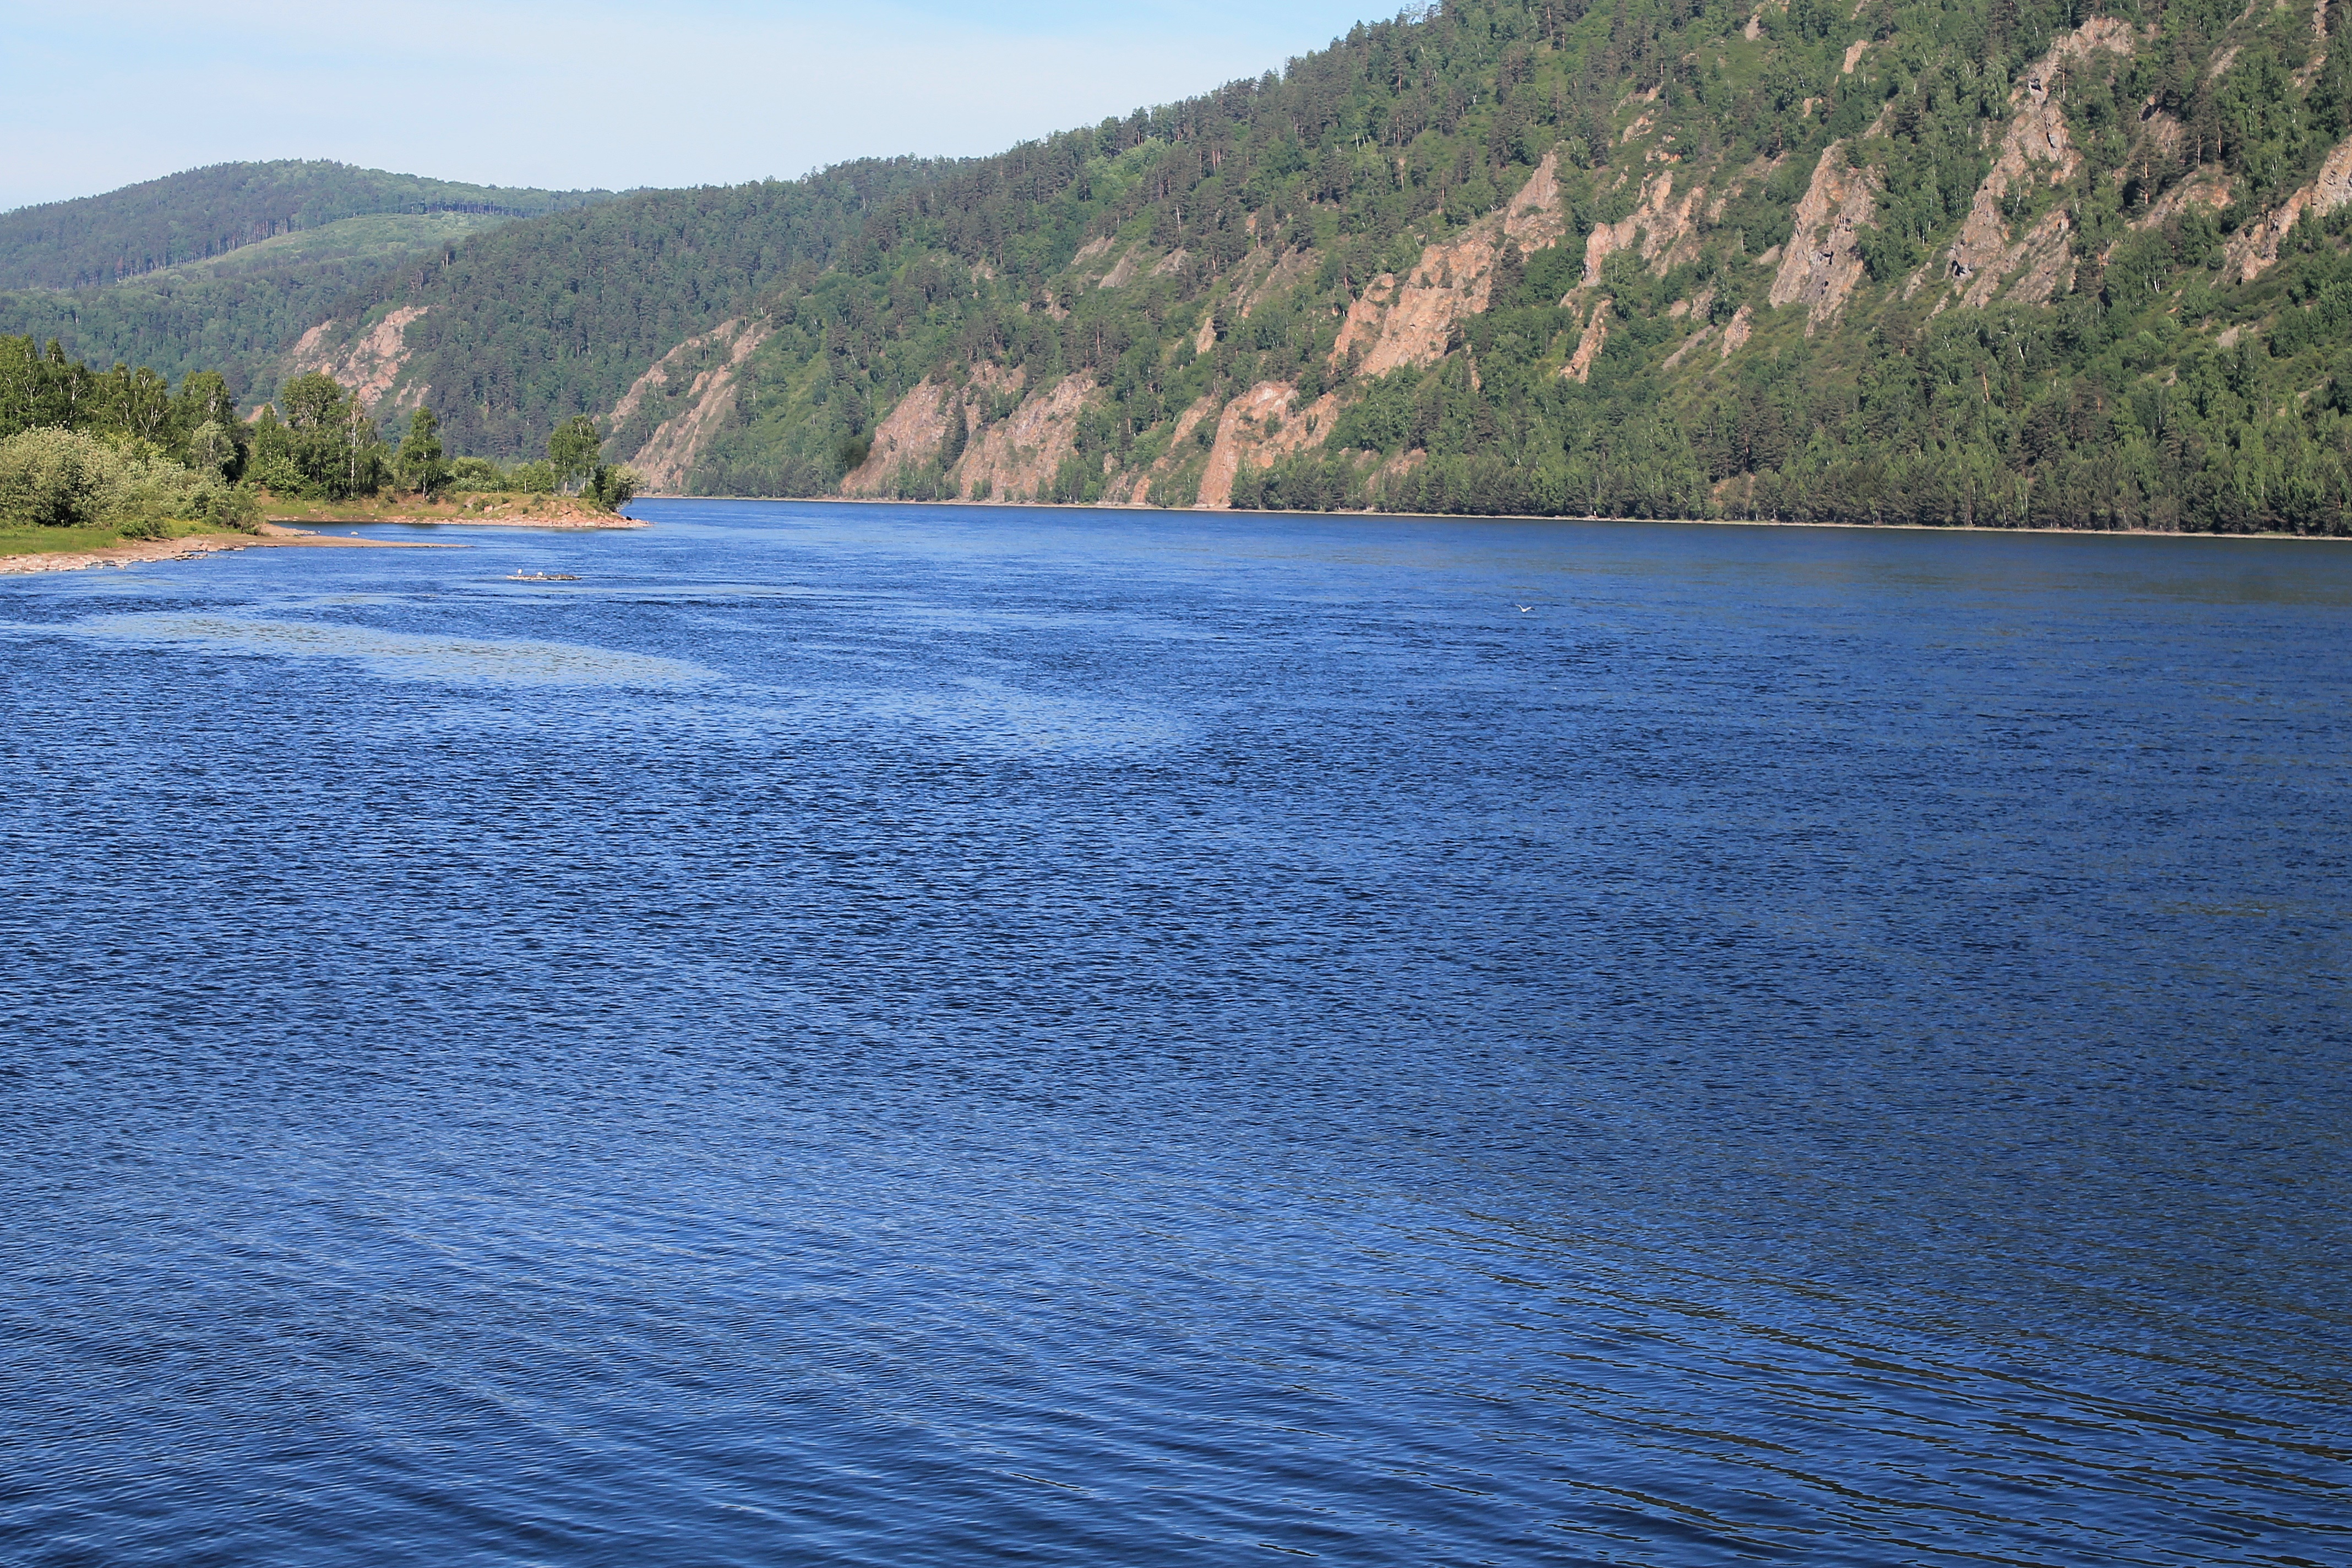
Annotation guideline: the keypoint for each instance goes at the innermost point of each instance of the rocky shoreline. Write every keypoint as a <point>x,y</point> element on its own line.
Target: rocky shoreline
<point>194,546</point>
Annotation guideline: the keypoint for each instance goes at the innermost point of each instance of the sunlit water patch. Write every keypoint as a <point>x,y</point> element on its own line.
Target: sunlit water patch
<point>407,656</point>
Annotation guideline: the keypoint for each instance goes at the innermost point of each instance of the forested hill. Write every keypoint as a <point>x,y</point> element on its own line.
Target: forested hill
<point>2001,261</point>
<point>518,330</point>
<point>207,212</point>
<point>221,268</point>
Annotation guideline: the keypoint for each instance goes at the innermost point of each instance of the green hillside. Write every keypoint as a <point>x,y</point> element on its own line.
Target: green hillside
<point>519,329</point>
<point>222,269</point>
<point>207,212</point>
<point>1966,261</point>
<point>377,236</point>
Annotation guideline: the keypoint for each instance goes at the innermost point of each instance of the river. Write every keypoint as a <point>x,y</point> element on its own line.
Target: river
<point>895,1034</point>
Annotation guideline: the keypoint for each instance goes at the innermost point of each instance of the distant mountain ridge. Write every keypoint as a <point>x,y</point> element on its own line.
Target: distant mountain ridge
<point>205,212</point>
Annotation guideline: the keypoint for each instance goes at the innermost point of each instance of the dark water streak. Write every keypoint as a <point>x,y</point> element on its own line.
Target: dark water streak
<point>908,1036</point>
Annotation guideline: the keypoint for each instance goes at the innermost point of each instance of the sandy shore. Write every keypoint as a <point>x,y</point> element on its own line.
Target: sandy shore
<point>195,546</point>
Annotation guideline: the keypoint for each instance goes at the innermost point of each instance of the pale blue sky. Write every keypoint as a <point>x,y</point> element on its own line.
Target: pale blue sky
<point>528,92</point>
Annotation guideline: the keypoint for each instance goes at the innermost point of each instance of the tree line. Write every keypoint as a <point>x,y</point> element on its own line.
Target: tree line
<point>125,448</point>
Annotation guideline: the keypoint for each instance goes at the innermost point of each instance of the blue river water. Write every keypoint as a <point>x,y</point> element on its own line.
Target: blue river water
<point>909,1036</point>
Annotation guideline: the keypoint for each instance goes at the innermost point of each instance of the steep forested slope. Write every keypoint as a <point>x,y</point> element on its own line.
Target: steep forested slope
<point>1939,261</point>
<point>518,330</point>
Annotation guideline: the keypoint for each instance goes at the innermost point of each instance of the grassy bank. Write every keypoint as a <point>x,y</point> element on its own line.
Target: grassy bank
<point>27,538</point>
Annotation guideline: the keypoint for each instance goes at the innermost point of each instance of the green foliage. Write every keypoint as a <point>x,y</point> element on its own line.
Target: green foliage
<point>327,446</point>
<point>613,486</point>
<point>420,464</point>
<point>572,451</point>
<point>219,268</point>
<point>53,478</point>
<point>475,474</point>
<point>1149,269</point>
<point>213,211</point>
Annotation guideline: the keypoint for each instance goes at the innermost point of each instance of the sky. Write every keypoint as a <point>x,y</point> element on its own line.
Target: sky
<point>103,93</point>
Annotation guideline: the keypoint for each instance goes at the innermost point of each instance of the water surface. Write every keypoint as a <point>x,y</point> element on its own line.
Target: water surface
<point>905,1036</point>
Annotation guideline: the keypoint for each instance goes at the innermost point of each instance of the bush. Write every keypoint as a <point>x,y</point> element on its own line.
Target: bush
<point>55,479</point>
<point>532,478</point>
<point>62,478</point>
<point>275,472</point>
<point>475,474</point>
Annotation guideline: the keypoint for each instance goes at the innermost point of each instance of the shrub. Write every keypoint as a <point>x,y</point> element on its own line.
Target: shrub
<point>56,478</point>
<point>475,474</point>
<point>533,478</point>
<point>62,478</point>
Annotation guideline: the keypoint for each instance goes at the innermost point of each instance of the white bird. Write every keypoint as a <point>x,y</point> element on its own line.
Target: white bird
<point>1525,608</point>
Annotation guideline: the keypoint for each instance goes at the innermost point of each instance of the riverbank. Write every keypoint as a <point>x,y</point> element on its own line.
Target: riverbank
<point>189,547</point>
<point>496,508</point>
<point>1538,517</point>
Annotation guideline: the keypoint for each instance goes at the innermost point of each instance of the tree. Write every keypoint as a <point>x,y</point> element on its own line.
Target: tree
<point>573,449</point>
<point>419,462</point>
<point>329,437</point>
<point>212,448</point>
<point>614,487</point>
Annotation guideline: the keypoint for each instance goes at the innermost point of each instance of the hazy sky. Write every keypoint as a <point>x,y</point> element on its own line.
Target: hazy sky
<point>531,92</point>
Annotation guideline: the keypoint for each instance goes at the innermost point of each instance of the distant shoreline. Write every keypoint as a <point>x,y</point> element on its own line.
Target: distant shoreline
<point>1544,517</point>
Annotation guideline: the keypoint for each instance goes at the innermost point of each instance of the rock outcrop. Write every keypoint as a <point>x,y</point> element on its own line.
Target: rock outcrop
<point>1397,323</point>
<point>1260,426</point>
<point>914,433</point>
<point>1016,458</point>
<point>1662,230</point>
<point>1822,265</point>
<point>2254,249</point>
<point>2034,146</point>
<point>1589,345</point>
<point>668,457</point>
<point>370,364</point>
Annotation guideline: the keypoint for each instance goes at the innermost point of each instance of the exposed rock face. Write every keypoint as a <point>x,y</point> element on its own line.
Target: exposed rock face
<point>915,432</point>
<point>1409,324</point>
<point>726,338</point>
<point>2200,189</point>
<point>1018,457</point>
<point>2254,249</point>
<point>1663,228</point>
<point>665,459</point>
<point>1294,268</point>
<point>1125,271</point>
<point>1260,426</point>
<point>1739,329</point>
<point>370,364</point>
<point>2046,259</point>
<point>1179,447</point>
<point>2034,146</point>
<point>1533,218</point>
<point>1822,265</point>
<point>1589,345</point>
